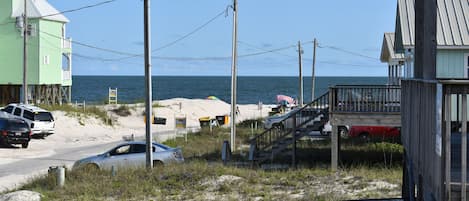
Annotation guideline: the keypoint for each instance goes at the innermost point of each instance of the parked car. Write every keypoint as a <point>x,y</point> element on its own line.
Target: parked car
<point>39,120</point>
<point>327,130</point>
<point>374,131</point>
<point>14,131</point>
<point>131,155</point>
<point>305,115</point>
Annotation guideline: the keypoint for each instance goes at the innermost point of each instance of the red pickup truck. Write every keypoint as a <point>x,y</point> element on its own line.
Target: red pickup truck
<point>374,131</point>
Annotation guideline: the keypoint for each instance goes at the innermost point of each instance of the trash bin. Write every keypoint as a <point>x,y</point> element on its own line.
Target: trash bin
<point>159,120</point>
<point>204,122</point>
<point>223,120</point>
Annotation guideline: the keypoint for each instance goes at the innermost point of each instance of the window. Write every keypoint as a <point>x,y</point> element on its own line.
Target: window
<point>466,67</point>
<point>46,60</point>
<point>138,148</point>
<point>43,116</point>
<point>17,112</point>
<point>8,109</point>
<point>125,149</point>
<point>28,115</point>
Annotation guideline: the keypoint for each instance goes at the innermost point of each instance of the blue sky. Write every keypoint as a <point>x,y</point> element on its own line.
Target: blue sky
<point>356,26</point>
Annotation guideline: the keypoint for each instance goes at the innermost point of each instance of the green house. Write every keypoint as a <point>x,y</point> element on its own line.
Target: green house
<point>49,63</point>
<point>452,41</point>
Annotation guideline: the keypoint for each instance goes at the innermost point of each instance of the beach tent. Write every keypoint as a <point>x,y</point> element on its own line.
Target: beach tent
<point>284,98</point>
<point>212,98</point>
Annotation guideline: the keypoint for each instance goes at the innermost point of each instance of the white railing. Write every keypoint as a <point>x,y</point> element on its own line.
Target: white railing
<point>67,43</point>
<point>66,75</point>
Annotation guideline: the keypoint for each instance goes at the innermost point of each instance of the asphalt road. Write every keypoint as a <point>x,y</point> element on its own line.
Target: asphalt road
<point>14,174</point>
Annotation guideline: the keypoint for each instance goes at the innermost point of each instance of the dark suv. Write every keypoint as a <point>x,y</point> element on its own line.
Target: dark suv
<point>14,131</point>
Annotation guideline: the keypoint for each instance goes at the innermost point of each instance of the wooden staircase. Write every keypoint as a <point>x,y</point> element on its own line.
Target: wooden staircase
<point>281,140</point>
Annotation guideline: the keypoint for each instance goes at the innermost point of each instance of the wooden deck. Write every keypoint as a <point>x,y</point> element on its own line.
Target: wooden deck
<point>367,105</point>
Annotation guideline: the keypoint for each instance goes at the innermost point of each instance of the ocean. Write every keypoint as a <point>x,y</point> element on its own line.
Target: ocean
<point>251,90</point>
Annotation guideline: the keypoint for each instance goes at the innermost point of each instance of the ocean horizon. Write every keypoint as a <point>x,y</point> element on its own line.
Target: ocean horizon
<point>251,89</point>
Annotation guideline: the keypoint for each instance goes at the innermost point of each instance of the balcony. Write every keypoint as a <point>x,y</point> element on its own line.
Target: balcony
<point>67,45</point>
<point>66,75</point>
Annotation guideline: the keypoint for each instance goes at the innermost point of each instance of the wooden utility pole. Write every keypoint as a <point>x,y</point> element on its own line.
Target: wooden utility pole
<point>313,77</point>
<point>148,86</point>
<point>234,76</point>
<point>25,53</point>
<point>300,76</point>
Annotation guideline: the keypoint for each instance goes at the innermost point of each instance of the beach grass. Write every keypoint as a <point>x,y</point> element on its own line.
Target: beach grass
<point>204,177</point>
<point>81,112</point>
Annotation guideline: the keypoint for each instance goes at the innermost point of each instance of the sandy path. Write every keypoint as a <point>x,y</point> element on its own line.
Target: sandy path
<point>77,137</point>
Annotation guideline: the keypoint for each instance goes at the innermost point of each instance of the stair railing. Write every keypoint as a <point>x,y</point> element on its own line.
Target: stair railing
<point>276,133</point>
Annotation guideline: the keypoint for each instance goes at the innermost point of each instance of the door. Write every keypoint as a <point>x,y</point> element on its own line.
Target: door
<point>137,156</point>
<point>117,157</point>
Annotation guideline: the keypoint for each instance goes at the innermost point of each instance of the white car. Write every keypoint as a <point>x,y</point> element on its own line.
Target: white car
<point>327,130</point>
<point>39,120</point>
<point>276,120</point>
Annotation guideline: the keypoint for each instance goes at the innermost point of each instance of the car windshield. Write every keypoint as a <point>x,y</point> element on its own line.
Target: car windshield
<point>43,116</point>
<point>18,126</point>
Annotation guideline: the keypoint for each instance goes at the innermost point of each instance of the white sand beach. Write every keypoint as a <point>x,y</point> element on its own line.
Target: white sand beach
<point>72,131</point>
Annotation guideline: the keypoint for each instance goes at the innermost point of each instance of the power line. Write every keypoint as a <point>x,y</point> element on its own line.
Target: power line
<point>347,51</point>
<point>81,8</point>
<point>92,46</point>
<point>183,37</point>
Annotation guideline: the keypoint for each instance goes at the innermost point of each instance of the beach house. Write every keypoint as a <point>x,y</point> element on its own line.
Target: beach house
<point>49,60</point>
<point>431,47</point>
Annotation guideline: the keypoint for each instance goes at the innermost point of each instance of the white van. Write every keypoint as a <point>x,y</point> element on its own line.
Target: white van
<point>39,120</point>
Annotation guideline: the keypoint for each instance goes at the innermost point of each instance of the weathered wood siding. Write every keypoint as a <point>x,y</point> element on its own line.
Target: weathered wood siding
<point>421,136</point>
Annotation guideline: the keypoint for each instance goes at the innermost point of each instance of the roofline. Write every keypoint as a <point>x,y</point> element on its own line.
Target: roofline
<point>444,47</point>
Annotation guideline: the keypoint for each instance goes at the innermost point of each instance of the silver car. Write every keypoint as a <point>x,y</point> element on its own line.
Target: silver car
<point>131,155</point>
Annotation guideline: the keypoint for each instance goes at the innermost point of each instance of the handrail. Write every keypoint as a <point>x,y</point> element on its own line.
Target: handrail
<point>365,99</point>
<point>268,137</point>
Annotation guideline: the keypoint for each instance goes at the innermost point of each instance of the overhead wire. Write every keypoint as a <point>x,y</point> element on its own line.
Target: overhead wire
<point>347,51</point>
<point>80,8</point>
<point>182,37</point>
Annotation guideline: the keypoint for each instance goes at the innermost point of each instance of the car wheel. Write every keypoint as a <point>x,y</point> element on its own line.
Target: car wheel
<point>158,163</point>
<point>91,167</point>
<point>322,132</point>
<point>343,132</point>
<point>25,145</point>
<point>364,137</point>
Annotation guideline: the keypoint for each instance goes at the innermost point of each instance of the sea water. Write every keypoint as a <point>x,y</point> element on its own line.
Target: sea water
<point>251,90</point>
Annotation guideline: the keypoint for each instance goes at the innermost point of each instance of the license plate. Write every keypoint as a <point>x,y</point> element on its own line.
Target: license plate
<point>17,134</point>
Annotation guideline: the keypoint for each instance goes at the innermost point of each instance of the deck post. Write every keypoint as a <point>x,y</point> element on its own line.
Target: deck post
<point>334,148</point>
<point>447,145</point>
<point>294,142</point>
<point>464,147</point>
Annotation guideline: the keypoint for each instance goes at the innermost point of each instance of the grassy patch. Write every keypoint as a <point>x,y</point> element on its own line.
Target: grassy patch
<point>204,177</point>
<point>122,111</point>
<point>81,112</point>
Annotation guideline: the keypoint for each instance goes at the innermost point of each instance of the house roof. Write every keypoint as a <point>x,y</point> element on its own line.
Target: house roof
<point>37,9</point>
<point>452,23</point>
<point>387,49</point>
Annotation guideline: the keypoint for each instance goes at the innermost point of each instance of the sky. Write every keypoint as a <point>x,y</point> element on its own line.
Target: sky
<point>349,34</point>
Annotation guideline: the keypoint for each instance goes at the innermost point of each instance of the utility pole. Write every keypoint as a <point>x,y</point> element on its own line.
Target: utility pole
<point>233,75</point>
<point>25,53</point>
<point>300,62</point>
<point>313,78</point>
<point>148,88</point>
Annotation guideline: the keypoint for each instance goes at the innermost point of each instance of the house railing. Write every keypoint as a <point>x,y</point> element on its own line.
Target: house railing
<point>67,43</point>
<point>66,75</point>
<point>365,98</point>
